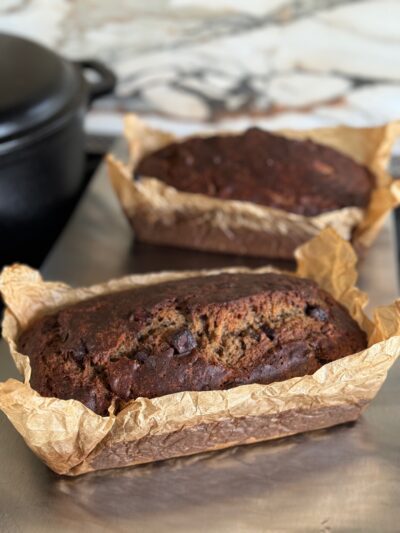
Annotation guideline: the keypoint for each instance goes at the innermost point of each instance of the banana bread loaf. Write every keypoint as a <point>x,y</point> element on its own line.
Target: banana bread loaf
<point>201,333</point>
<point>257,166</point>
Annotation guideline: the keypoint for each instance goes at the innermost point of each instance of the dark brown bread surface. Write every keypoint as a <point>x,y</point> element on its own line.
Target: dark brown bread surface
<point>260,167</point>
<point>202,333</point>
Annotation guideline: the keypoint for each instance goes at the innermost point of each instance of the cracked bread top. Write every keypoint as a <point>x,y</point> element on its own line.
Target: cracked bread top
<point>257,166</point>
<point>200,333</point>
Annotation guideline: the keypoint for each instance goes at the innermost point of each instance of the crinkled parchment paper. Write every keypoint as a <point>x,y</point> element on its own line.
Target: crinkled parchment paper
<point>73,440</point>
<point>161,214</point>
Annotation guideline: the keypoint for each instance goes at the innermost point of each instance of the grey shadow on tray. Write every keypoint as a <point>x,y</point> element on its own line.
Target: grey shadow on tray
<point>230,479</point>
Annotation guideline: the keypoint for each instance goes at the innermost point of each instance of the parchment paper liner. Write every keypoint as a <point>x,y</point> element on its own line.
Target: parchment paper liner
<point>161,214</point>
<point>73,440</point>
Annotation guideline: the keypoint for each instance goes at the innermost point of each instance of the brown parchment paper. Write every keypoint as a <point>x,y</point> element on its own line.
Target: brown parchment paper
<point>73,440</point>
<point>161,214</point>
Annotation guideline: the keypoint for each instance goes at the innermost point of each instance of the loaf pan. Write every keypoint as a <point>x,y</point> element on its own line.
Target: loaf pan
<point>71,439</point>
<point>160,214</point>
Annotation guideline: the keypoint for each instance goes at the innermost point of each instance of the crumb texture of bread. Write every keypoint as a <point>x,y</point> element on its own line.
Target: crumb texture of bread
<point>202,333</point>
<point>257,166</point>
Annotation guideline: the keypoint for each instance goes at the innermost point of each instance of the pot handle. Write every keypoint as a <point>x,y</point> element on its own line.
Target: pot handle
<point>106,82</point>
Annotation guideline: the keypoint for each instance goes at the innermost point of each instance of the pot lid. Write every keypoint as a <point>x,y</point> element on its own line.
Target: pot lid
<point>36,85</point>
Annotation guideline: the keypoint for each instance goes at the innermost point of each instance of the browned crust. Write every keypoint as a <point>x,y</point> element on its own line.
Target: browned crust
<point>199,333</point>
<point>265,168</point>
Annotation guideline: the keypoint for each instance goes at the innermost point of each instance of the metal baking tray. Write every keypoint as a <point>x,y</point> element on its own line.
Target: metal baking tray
<point>341,479</point>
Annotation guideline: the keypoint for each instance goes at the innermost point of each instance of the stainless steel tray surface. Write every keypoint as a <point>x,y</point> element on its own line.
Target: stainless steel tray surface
<point>342,479</point>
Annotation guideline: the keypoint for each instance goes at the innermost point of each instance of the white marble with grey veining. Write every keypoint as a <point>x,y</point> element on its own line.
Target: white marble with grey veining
<point>276,63</point>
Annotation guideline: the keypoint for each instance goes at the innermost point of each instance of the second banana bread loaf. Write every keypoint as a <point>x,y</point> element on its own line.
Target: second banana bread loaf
<point>257,166</point>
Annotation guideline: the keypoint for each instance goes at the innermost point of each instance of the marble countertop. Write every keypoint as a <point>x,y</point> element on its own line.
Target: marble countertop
<point>186,63</point>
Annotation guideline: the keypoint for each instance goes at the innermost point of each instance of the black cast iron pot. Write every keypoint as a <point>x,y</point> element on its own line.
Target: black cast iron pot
<point>43,100</point>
